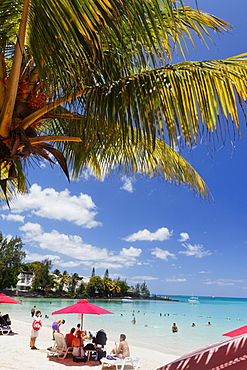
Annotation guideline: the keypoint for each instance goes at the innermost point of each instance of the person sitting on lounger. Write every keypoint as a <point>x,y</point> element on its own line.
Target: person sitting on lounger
<point>122,350</point>
<point>77,344</point>
<point>69,337</point>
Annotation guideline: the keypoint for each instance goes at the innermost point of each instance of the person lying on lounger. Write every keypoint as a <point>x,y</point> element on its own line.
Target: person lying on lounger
<point>122,350</point>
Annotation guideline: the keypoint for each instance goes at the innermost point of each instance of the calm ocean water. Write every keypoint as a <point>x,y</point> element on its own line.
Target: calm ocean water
<point>153,320</point>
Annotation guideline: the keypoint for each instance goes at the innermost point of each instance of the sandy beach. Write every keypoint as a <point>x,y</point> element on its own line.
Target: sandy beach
<point>16,354</point>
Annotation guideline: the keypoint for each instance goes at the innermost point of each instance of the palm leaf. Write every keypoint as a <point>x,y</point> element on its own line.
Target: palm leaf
<point>104,154</point>
<point>185,99</point>
<point>10,184</point>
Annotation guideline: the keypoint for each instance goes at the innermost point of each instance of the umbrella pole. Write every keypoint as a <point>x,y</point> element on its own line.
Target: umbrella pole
<point>82,321</point>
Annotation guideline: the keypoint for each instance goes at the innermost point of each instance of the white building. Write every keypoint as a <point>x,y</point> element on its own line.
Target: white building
<point>25,281</point>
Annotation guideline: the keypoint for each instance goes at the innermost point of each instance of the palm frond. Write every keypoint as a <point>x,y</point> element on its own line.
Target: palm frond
<point>130,159</point>
<point>10,184</point>
<point>86,36</point>
<point>184,99</point>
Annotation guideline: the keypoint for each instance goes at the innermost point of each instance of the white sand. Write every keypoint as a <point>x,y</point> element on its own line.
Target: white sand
<point>16,354</point>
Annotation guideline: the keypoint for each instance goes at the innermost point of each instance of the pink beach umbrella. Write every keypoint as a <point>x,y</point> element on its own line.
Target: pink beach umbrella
<point>6,299</point>
<point>236,332</point>
<point>82,307</point>
<point>228,354</point>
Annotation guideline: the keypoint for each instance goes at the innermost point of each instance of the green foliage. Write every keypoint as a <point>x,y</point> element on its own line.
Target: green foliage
<point>95,286</point>
<point>57,272</point>
<point>144,291</point>
<point>63,281</point>
<point>43,280</point>
<point>81,290</point>
<point>106,275</point>
<point>112,62</point>
<point>11,256</point>
<point>29,267</point>
<point>73,280</point>
<point>121,286</point>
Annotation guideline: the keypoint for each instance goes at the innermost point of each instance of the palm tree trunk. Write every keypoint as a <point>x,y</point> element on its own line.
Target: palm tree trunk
<point>9,102</point>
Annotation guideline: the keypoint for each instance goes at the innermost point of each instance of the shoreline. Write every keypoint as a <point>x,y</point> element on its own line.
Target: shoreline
<point>16,345</point>
<point>68,296</point>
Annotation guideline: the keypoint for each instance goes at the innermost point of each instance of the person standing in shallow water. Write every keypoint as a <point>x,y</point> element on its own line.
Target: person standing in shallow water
<point>36,326</point>
<point>174,328</point>
<point>33,311</point>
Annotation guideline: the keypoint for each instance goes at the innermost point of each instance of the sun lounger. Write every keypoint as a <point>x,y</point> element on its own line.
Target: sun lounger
<point>5,330</point>
<point>60,348</point>
<point>5,323</point>
<point>134,361</point>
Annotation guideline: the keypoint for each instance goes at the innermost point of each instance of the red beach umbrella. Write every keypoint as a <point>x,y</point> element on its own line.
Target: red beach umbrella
<point>6,299</point>
<point>82,307</point>
<point>236,332</point>
<point>229,353</point>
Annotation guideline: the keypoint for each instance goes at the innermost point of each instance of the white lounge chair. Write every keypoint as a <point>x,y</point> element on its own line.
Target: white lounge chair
<point>5,323</point>
<point>5,330</point>
<point>60,348</point>
<point>132,360</point>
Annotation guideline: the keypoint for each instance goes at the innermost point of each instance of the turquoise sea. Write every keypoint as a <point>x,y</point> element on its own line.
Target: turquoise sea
<point>153,320</point>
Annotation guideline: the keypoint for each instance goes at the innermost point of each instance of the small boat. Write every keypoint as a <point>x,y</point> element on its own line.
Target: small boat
<point>127,300</point>
<point>193,300</point>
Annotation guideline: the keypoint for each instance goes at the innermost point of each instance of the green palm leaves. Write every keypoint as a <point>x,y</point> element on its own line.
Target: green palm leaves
<point>96,79</point>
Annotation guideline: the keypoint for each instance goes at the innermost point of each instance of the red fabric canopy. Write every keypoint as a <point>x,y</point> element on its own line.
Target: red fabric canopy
<point>236,332</point>
<point>82,307</point>
<point>229,353</point>
<point>5,299</point>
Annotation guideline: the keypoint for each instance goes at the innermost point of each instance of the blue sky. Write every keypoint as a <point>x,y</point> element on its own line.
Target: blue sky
<point>147,229</point>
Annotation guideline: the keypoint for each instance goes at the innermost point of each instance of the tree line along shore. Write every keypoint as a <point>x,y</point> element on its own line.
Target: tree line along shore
<point>38,279</point>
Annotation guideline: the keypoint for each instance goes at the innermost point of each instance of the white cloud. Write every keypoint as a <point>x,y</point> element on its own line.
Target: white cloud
<point>204,272</point>
<point>161,234</point>
<point>131,252</point>
<point>184,237</point>
<point>223,282</point>
<point>40,257</point>
<point>16,218</point>
<point>51,204</point>
<point>68,264</point>
<point>196,250</point>
<point>175,280</point>
<point>163,254</point>
<point>128,184</point>
<point>55,259</point>
<point>142,278</point>
<point>74,247</point>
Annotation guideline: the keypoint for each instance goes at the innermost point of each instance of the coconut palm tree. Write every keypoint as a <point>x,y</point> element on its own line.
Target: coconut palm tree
<point>73,282</point>
<point>91,85</point>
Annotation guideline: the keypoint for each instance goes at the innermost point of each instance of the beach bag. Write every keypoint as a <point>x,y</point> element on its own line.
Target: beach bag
<point>78,352</point>
<point>80,359</point>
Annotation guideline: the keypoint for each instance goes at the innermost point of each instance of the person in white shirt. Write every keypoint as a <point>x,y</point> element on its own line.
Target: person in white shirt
<point>36,326</point>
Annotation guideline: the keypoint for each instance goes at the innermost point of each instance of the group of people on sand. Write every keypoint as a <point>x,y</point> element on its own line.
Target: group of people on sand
<point>75,338</point>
